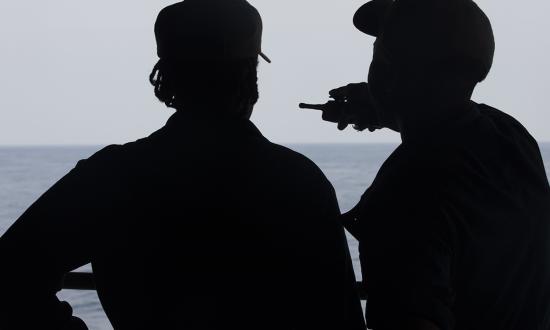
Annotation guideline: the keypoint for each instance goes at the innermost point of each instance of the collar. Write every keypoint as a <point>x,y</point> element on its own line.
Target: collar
<point>206,124</point>
<point>448,129</point>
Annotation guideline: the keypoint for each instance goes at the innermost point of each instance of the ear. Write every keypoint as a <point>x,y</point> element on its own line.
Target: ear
<point>383,77</point>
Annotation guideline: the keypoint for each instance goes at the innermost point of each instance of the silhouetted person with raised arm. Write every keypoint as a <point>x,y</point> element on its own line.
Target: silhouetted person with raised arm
<point>455,229</point>
<point>205,224</point>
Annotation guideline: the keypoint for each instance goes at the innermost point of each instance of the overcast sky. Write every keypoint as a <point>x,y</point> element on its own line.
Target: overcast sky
<point>75,72</point>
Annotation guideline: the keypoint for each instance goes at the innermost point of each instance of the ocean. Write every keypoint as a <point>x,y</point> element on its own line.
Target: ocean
<point>26,172</point>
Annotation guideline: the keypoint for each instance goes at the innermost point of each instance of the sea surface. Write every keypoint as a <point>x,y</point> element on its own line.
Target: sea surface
<point>26,172</point>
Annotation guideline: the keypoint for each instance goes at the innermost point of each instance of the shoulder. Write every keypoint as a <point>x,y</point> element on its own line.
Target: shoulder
<point>495,113</point>
<point>296,160</point>
<point>410,163</point>
<point>106,153</point>
<point>412,178</point>
<point>115,157</point>
<point>292,157</point>
<point>505,123</point>
<point>407,200</point>
<point>109,155</point>
<point>298,169</point>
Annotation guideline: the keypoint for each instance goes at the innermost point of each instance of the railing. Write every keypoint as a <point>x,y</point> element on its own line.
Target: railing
<point>85,281</point>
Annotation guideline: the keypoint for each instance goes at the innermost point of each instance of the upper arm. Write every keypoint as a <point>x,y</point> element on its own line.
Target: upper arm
<point>422,324</point>
<point>53,236</point>
<point>408,256</point>
<point>58,229</point>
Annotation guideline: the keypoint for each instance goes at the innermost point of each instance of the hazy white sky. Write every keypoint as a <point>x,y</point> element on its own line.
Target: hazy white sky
<point>75,72</point>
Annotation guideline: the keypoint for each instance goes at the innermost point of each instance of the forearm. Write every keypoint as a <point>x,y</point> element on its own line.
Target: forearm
<point>35,254</point>
<point>421,324</point>
<point>28,293</point>
<point>409,324</point>
<point>56,235</point>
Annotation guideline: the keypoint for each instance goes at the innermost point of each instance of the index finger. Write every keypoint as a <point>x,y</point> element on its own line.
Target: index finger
<point>312,106</point>
<point>339,93</point>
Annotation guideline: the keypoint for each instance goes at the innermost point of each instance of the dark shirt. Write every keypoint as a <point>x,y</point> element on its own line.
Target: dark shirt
<point>456,229</point>
<point>205,224</point>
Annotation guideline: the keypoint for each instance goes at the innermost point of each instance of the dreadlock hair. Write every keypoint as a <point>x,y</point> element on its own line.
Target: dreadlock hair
<point>228,87</point>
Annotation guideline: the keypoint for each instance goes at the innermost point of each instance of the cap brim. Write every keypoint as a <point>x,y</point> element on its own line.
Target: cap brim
<point>264,56</point>
<point>370,17</point>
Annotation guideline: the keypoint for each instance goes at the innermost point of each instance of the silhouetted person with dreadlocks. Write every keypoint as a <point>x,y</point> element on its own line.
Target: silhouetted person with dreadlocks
<point>455,230</point>
<point>205,224</point>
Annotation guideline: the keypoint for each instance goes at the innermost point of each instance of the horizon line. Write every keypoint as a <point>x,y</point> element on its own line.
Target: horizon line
<point>23,145</point>
<point>103,144</point>
<point>90,145</point>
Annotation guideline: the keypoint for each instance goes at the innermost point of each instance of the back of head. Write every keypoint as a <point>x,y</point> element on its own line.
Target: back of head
<point>449,35</point>
<point>454,35</point>
<point>208,52</point>
<point>427,51</point>
<point>221,88</point>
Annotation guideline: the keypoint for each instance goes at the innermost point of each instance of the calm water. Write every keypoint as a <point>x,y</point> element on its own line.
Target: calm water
<point>25,173</point>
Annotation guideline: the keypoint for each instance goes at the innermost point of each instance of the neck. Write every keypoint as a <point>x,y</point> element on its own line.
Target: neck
<point>428,121</point>
<point>217,114</point>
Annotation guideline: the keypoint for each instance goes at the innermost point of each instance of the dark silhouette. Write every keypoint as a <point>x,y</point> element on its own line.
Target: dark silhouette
<point>455,230</point>
<point>205,224</point>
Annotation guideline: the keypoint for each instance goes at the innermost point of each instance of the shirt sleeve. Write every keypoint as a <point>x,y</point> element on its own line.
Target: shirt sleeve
<point>54,236</point>
<point>407,255</point>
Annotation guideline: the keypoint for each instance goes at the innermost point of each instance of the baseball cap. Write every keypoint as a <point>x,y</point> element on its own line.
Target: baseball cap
<point>209,29</point>
<point>435,29</point>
